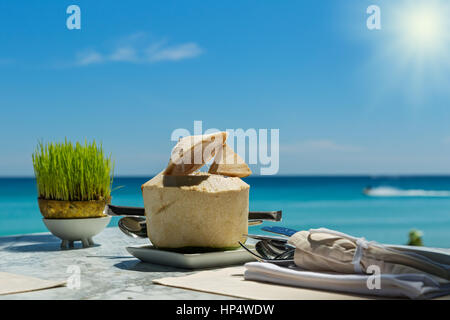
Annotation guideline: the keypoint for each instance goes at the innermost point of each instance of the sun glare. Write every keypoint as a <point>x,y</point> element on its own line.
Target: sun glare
<point>414,58</point>
<point>421,28</point>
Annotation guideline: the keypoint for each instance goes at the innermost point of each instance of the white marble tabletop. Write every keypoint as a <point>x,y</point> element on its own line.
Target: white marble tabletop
<point>107,270</point>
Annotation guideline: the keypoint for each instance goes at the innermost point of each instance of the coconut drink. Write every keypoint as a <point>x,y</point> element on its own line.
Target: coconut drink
<point>187,208</point>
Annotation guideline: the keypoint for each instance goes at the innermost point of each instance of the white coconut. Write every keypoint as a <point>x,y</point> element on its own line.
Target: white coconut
<point>196,210</point>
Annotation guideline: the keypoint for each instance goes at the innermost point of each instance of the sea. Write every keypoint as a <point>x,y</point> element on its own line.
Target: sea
<point>389,208</point>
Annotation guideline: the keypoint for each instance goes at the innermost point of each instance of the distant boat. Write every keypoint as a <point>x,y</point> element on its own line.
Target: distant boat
<point>367,190</point>
<point>395,192</point>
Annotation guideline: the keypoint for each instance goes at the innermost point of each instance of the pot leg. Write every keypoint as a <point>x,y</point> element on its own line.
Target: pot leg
<point>91,242</point>
<point>85,243</point>
<point>64,244</point>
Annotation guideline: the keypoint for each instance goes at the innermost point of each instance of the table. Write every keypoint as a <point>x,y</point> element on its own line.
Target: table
<point>107,270</point>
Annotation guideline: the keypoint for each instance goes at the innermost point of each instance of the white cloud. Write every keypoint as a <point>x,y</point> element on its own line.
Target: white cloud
<point>319,145</point>
<point>126,54</point>
<point>175,53</point>
<point>89,57</point>
<point>135,49</point>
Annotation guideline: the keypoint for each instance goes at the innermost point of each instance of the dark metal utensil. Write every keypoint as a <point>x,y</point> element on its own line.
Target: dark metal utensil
<point>133,221</point>
<point>135,227</point>
<point>282,240</point>
<point>124,211</point>
<point>265,215</point>
<point>139,211</point>
<point>266,252</point>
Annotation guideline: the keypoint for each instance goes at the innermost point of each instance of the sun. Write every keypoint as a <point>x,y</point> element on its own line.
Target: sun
<point>411,56</point>
<point>421,28</point>
<point>425,27</point>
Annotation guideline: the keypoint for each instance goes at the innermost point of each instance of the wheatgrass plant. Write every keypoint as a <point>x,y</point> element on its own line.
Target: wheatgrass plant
<point>74,172</point>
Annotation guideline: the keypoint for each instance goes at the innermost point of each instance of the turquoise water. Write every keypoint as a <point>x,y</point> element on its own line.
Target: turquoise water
<point>400,204</point>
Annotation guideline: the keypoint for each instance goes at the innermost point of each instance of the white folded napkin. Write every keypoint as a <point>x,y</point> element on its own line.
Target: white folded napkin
<point>414,286</point>
<point>17,283</point>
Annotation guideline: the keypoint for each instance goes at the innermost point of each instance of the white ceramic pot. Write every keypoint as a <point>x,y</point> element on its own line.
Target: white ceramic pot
<point>70,230</point>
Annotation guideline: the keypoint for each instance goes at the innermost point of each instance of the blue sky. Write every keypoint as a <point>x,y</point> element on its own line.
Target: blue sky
<point>347,100</point>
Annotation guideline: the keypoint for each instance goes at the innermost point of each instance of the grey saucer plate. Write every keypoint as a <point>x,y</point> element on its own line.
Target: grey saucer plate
<point>148,253</point>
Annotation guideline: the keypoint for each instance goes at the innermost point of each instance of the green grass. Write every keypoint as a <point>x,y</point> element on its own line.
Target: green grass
<point>76,172</point>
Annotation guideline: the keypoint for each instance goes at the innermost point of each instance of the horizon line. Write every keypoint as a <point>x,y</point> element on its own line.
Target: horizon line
<point>300,175</point>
